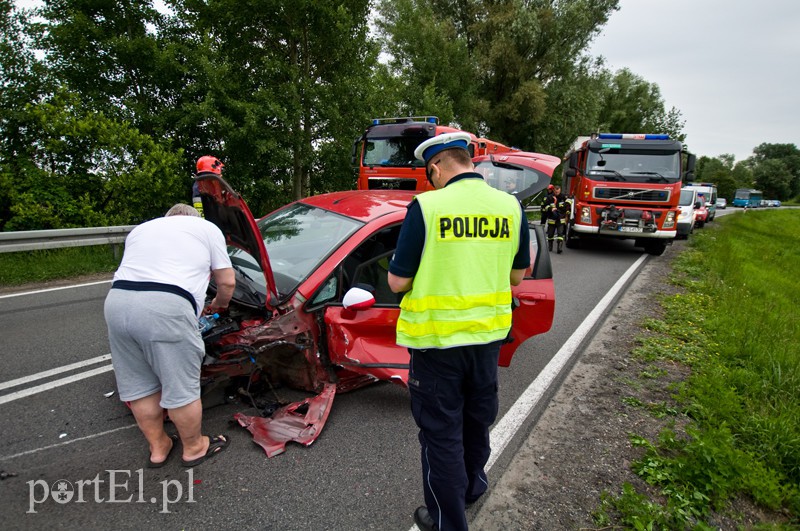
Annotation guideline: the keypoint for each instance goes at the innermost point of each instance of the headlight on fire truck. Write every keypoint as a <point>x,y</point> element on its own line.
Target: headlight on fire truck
<point>669,222</point>
<point>586,215</point>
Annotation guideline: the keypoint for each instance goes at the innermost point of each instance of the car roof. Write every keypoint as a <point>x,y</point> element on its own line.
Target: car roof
<point>363,205</point>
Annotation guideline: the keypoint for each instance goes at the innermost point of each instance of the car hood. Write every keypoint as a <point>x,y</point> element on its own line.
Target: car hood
<point>227,210</point>
<point>533,171</point>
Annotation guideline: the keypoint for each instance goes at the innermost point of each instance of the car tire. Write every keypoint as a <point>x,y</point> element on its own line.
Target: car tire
<point>571,241</point>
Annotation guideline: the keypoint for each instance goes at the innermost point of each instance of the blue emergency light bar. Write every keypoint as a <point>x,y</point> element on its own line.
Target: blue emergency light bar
<point>632,136</point>
<point>406,119</point>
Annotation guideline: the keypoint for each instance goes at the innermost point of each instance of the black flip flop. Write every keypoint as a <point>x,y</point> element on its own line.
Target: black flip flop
<point>153,464</point>
<point>215,446</point>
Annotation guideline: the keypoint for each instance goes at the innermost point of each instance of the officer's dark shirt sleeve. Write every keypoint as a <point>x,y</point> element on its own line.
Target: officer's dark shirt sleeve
<point>522,260</point>
<point>408,254</point>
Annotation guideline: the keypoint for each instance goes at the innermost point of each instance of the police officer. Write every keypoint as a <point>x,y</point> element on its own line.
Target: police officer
<point>557,217</point>
<point>461,248</point>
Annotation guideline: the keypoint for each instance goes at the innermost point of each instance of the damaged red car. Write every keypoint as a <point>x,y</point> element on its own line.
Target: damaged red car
<point>312,309</point>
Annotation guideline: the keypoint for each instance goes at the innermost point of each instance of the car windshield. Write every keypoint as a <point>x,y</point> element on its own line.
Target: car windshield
<point>617,164</point>
<point>686,197</point>
<point>298,238</point>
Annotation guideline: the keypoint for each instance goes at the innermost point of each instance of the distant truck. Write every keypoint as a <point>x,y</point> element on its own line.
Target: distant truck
<point>384,154</point>
<point>626,186</point>
<point>709,192</point>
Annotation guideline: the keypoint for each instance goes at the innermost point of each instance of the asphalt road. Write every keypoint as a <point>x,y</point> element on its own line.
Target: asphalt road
<point>362,473</point>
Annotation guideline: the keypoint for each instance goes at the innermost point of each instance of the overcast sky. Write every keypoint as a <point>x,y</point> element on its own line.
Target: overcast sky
<point>731,67</point>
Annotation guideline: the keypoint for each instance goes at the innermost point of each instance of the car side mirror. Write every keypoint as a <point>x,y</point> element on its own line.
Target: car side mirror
<point>697,204</point>
<point>358,299</point>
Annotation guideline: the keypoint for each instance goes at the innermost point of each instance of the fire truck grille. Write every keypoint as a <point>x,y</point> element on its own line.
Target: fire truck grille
<point>632,194</point>
<point>377,183</point>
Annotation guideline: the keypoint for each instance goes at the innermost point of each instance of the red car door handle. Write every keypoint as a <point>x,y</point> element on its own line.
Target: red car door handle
<point>531,297</point>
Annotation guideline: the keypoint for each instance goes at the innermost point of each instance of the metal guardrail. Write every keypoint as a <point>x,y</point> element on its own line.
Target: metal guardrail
<point>35,240</point>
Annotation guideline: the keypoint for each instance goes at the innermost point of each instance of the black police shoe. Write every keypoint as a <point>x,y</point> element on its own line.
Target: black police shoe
<point>424,520</point>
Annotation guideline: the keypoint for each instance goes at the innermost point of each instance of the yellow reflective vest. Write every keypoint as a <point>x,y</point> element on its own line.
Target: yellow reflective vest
<point>461,294</point>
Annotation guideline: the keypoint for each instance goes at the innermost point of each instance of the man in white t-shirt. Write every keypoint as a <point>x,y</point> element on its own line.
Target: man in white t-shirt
<point>151,311</point>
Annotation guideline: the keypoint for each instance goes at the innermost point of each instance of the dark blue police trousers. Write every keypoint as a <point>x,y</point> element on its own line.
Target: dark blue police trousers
<point>454,401</point>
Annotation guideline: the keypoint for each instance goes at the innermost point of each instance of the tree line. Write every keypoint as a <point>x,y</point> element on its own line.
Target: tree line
<point>106,105</point>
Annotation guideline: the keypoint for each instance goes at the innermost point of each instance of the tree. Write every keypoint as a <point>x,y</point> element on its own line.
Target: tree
<point>111,54</point>
<point>780,180</point>
<point>430,58</point>
<point>282,82</point>
<point>506,69</point>
<point>773,178</point>
<point>85,169</point>
<point>633,105</point>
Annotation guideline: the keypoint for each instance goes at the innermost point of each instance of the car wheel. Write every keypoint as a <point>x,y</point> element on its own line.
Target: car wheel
<point>571,241</point>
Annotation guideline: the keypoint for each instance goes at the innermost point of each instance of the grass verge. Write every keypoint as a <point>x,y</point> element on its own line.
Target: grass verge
<point>39,266</point>
<point>735,437</point>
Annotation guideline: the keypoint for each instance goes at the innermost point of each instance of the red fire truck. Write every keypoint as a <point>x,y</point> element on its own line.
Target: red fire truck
<point>384,154</point>
<point>626,186</point>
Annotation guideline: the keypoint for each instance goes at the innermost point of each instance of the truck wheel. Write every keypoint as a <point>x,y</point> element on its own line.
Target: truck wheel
<point>655,248</point>
<point>571,241</point>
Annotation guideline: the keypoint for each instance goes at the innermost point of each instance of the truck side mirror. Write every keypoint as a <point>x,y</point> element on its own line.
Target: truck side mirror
<point>354,153</point>
<point>570,172</point>
<point>688,174</point>
<point>573,160</point>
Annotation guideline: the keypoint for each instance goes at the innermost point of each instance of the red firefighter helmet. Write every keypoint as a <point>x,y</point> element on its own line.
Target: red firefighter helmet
<point>209,164</point>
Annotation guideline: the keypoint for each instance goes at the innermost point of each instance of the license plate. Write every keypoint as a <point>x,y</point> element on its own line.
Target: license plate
<point>630,229</point>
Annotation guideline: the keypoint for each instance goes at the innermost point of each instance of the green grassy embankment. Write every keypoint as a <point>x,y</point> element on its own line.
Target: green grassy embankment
<point>736,325</point>
<point>39,266</point>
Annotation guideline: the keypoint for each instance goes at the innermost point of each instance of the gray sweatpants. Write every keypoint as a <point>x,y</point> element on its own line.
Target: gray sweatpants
<point>155,346</point>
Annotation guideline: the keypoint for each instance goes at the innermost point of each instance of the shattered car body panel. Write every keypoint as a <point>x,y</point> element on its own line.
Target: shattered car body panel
<point>287,324</point>
<point>300,422</point>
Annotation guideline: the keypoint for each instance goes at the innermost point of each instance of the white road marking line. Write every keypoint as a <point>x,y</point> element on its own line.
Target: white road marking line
<point>52,385</point>
<point>93,436</point>
<point>54,289</point>
<point>507,427</point>
<point>504,431</point>
<point>53,372</point>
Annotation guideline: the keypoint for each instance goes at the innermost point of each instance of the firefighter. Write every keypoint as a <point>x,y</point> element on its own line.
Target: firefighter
<point>460,249</point>
<point>548,198</point>
<point>205,165</point>
<point>557,218</point>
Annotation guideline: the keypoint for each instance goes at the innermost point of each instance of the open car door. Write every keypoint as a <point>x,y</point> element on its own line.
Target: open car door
<point>361,337</point>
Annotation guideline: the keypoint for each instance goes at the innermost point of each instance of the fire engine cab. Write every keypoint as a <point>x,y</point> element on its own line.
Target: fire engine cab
<point>384,154</point>
<point>626,186</point>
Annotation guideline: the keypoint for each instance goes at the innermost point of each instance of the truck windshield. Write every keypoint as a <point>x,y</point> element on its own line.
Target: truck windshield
<point>616,164</point>
<point>397,152</point>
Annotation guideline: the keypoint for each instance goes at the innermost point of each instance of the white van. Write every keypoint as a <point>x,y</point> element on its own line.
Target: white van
<point>687,204</point>
<point>709,191</point>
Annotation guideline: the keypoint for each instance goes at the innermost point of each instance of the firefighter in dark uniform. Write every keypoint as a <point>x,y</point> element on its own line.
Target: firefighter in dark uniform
<point>461,248</point>
<point>205,165</point>
<point>548,198</point>
<point>557,218</point>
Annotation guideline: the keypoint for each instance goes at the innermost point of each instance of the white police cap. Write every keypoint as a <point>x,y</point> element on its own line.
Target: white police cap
<point>437,144</point>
